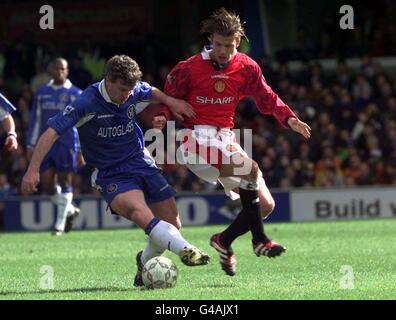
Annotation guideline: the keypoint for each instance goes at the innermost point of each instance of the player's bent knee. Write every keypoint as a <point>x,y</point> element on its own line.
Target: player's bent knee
<point>253,170</point>
<point>267,208</point>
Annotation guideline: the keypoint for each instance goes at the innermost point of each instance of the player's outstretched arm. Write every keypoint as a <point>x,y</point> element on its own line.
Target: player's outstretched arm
<point>178,107</point>
<point>300,127</point>
<point>32,175</point>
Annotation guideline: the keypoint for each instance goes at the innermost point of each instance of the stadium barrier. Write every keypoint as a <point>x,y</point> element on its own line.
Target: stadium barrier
<point>37,213</point>
<point>343,204</point>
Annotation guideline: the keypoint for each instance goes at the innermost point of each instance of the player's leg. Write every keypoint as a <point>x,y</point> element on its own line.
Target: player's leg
<point>201,152</point>
<point>240,226</point>
<point>222,241</point>
<point>65,162</point>
<point>48,186</point>
<point>165,210</point>
<point>67,212</point>
<point>267,202</point>
<point>132,205</point>
<point>256,200</point>
<point>47,181</point>
<point>248,170</point>
<point>160,197</point>
<point>163,206</point>
<point>62,201</point>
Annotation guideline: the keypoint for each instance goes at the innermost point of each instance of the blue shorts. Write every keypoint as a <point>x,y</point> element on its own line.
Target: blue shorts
<point>61,158</point>
<point>153,184</point>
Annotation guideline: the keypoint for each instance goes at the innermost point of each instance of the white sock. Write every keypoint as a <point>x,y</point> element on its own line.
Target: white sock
<point>63,203</point>
<point>151,251</point>
<point>55,196</point>
<point>55,199</point>
<point>167,236</point>
<point>70,210</point>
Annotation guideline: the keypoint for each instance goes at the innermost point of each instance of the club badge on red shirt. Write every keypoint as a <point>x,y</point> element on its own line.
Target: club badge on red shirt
<point>219,86</point>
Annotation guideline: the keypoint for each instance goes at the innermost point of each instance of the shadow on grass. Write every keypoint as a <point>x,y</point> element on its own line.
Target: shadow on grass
<point>81,290</point>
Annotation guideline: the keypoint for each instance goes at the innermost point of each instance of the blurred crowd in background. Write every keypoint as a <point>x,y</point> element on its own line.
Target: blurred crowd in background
<point>352,114</point>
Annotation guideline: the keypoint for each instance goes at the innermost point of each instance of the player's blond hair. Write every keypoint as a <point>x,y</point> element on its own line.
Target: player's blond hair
<point>224,23</point>
<point>123,68</point>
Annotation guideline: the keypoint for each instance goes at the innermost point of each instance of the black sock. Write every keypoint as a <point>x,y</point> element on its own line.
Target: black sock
<point>251,206</point>
<point>237,228</point>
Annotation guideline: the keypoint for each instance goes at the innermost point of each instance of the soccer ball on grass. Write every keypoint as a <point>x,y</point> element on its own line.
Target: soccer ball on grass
<point>159,273</point>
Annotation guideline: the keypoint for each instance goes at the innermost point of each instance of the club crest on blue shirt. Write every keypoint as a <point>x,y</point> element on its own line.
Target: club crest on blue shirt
<point>131,111</point>
<point>63,98</point>
<point>112,188</point>
<point>68,109</point>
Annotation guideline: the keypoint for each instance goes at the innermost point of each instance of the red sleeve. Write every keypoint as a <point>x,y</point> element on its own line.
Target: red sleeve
<point>267,101</point>
<point>176,86</point>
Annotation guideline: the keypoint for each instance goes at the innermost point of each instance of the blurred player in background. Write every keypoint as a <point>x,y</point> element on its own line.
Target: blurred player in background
<point>213,82</point>
<point>125,174</point>
<point>61,162</point>
<point>6,108</point>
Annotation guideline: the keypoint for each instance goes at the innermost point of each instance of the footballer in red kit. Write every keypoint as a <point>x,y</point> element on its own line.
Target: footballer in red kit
<point>215,94</point>
<point>213,82</point>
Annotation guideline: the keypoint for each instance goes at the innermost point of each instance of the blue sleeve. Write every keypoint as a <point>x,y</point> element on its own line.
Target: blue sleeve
<point>6,105</point>
<point>34,124</point>
<point>69,117</point>
<point>145,91</point>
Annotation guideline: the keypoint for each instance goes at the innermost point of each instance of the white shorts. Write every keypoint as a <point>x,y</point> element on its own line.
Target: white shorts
<point>203,151</point>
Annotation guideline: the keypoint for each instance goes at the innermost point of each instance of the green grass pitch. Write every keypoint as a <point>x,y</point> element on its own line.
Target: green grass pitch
<point>101,264</point>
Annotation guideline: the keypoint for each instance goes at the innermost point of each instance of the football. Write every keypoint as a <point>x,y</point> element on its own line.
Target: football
<point>159,273</point>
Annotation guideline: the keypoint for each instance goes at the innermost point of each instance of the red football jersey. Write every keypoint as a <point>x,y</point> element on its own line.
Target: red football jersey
<point>215,94</point>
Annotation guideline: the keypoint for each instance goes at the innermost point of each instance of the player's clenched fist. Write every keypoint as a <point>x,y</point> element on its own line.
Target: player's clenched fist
<point>159,122</point>
<point>11,144</point>
<point>30,182</point>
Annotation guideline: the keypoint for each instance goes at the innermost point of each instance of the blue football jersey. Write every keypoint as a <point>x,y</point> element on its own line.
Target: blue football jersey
<point>48,101</point>
<point>109,133</point>
<point>6,107</point>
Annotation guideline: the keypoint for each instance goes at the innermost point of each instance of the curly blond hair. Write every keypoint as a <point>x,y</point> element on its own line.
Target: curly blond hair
<point>124,68</point>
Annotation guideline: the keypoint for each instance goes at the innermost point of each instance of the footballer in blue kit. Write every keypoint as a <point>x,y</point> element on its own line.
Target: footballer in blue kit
<point>48,101</point>
<point>107,129</point>
<point>61,161</point>
<point>126,175</point>
<point>6,108</point>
